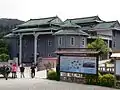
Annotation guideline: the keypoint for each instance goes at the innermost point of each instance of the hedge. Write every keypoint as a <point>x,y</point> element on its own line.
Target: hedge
<point>107,80</point>
<point>102,80</point>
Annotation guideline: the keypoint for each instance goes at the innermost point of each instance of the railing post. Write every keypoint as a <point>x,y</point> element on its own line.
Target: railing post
<point>105,67</point>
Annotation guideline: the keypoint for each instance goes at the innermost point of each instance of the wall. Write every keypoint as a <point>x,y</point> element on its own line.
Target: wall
<point>104,32</point>
<point>43,48</point>
<point>27,48</point>
<point>116,40</point>
<point>13,47</point>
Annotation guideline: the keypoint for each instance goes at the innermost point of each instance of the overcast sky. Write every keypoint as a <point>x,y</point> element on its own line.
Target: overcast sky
<point>26,9</point>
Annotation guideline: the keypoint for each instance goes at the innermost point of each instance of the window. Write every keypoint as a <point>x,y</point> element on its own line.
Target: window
<point>49,43</point>
<point>72,41</point>
<point>114,33</point>
<point>60,41</point>
<point>83,41</point>
<point>114,44</point>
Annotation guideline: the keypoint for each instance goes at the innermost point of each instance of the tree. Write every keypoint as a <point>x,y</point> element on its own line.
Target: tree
<point>99,45</point>
<point>3,51</point>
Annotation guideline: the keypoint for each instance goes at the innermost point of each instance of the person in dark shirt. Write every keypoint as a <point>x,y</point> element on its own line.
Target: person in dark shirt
<point>22,69</point>
<point>7,71</point>
<point>33,70</point>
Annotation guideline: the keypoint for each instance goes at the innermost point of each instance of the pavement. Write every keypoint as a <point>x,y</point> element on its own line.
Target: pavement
<point>40,83</point>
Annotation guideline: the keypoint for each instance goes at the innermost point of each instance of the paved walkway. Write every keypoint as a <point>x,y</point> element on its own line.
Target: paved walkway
<point>40,83</point>
<point>43,84</point>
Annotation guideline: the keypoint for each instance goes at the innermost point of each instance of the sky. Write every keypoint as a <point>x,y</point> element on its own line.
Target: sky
<point>108,10</point>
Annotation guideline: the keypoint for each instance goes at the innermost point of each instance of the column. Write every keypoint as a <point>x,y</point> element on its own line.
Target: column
<point>108,43</point>
<point>20,49</point>
<point>108,47</point>
<point>35,47</point>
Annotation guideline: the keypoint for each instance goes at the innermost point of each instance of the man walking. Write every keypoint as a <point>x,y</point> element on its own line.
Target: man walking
<point>33,70</point>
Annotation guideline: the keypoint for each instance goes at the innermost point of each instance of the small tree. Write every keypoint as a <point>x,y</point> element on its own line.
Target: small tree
<point>4,57</point>
<point>99,45</point>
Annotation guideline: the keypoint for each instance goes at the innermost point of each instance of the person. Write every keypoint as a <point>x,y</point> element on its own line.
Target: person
<point>22,69</point>
<point>14,70</point>
<point>7,71</point>
<point>33,70</point>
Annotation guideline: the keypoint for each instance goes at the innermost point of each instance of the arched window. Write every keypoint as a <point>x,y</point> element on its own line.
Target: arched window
<point>60,41</point>
<point>72,41</point>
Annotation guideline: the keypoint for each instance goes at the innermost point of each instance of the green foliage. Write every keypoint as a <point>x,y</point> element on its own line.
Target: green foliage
<point>3,43</point>
<point>100,45</point>
<point>3,50</point>
<point>52,75</point>
<point>92,79</point>
<point>4,57</point>
<point>107,80</point>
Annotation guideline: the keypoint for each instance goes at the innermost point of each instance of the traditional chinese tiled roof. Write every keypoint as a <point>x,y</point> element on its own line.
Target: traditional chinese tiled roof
<point>41,21</point>
<point>37,29</point>
<point>84,20</point>
<point>69,24</point>
<point>107,25</point>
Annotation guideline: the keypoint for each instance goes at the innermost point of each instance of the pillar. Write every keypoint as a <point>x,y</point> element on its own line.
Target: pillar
<point>20,49</point>
<point>108,43</point>
<point>108,47</point>
<point>35,47</point>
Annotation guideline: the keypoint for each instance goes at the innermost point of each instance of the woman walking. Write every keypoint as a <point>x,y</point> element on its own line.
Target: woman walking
<point>14,70</point>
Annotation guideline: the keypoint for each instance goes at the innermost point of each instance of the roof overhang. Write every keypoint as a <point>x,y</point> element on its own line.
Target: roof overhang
<point>76,51</point>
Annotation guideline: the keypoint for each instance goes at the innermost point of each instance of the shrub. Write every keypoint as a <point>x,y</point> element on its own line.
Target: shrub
<point>4,57</point>
<point>92,79</point>
<point>107,80</point>
<point>52,75</point>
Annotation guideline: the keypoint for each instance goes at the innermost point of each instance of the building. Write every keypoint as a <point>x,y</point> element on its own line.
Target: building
<point>109,31</point>
<point>41,37</point>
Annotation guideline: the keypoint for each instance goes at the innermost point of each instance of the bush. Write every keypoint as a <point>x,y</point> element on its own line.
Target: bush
<point>107,80</point>
<point>52,75</point>
<point>4,57</point>
<point>92,79</point>
<point>3,50</point>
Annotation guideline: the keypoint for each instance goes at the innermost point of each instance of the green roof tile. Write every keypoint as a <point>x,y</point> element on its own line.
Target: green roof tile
<point>69,24</point>
<point>41,21</point>
<point>84,20</point>
<point>35,29</point>
<point>105,25</point>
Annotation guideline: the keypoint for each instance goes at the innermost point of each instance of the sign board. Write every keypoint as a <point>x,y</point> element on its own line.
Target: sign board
<point>86,65</point>
<point>117,67</point>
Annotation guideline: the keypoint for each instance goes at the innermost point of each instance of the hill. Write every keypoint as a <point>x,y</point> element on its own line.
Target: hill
<point>6,25</point>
